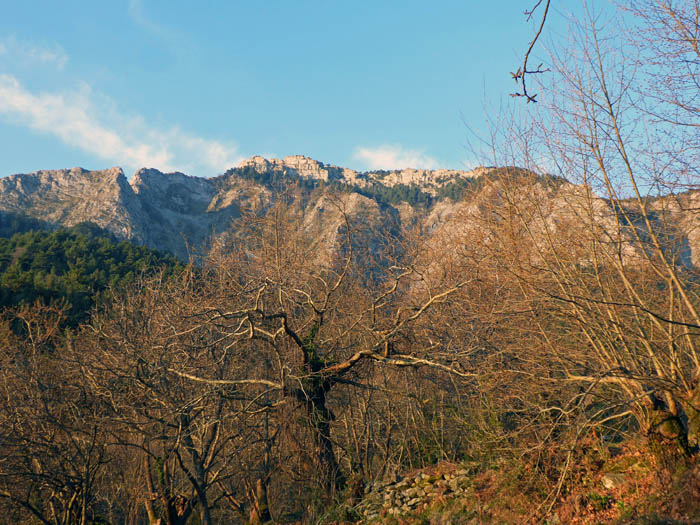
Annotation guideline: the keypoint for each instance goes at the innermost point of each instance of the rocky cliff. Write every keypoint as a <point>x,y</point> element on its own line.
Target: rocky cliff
<point>181,214</point>
<point>68,197</point>
<point>428,181</point>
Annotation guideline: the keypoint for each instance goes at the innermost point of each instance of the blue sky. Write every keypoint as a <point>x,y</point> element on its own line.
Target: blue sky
<point>196,87</point>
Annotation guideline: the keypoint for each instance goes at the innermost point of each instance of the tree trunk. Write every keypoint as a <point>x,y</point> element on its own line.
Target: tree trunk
<point>260,513</point>
<point>177,509</point>
<point>321,417</point>
<point>668,439</point>
<point>204,514</point>
<point>148,502</point>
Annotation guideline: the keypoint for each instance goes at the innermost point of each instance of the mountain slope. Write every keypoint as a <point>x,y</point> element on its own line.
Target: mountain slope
<point>180,214</point>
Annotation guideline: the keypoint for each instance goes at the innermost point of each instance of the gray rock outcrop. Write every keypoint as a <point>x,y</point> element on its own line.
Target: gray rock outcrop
<point>182,214</point>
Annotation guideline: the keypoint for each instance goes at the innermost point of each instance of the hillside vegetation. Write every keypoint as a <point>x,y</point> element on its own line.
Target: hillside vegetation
<point>273,383</point>
<point>77,265</point>
<point>528,352</point>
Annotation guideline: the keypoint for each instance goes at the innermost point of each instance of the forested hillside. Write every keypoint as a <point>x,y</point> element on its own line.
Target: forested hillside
<point>513,344</point>
<point>78,265</point>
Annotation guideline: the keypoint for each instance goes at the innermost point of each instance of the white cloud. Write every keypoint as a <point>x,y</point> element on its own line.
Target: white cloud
<point>176,42</point>
<point>92,122</point>
<point>393,156</point>
<point>26,52</point>
<point>137,14</point>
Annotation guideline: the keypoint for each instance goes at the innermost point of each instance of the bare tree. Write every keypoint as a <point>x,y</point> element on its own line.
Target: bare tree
<point>52,447</point>
<point>520,76</point>
<point>303,330</point>
<point>608,274</point>
<point>183,435</point>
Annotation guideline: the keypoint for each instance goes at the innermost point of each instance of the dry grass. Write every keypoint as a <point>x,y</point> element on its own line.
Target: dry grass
<point>620,485</point>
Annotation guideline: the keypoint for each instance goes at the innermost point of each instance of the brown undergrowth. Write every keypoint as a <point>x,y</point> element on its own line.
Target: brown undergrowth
<point>619,484</point>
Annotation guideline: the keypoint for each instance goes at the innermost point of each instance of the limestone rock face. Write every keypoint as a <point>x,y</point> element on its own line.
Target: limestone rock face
<point>428,181</point>
<point>182,214</point>
<point>327,219</point>
<point>69,197</point>
<point>302,166</point>
<point>177,208</point>
<point>681,216</point>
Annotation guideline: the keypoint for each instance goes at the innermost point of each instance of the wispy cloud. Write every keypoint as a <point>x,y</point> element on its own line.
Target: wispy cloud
<point>393,156</point>
<point>93,123</point>
<point>28,52</point>
<point>176,42</point>
<point>137,14</point>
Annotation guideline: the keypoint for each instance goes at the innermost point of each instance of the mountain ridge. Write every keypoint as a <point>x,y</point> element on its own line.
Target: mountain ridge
<point>182,214</point>
<point>428,179</point>
<point>177,212</point>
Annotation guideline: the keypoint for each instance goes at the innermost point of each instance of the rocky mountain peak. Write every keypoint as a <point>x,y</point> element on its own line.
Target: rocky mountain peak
<point>301,166</point>
<point>156,183</point>
<point>427,180</point>
<point>68,197</point>
<point>177,212</point>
